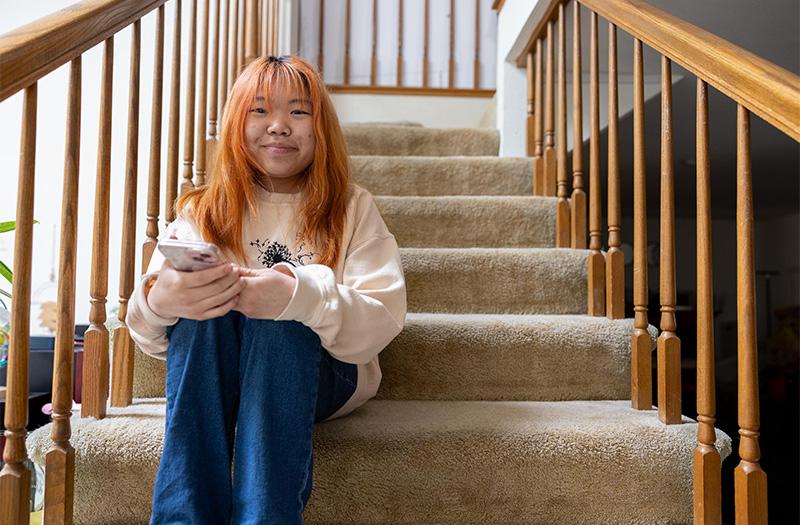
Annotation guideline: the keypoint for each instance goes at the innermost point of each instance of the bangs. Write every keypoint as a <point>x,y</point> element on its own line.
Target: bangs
<point>278,76</point>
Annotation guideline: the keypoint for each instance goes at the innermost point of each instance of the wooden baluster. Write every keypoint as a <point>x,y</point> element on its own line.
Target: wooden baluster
<point>59,489</point>
<point>750,480</point>
<point>373,68</point>
<point>549,109</point>
<point>347,44</point>
<point>122,370</point>
<point>202,101</point>
<point>261,32</point>
<point>562,205</point>
<point>95,350</point>
<point>669,345</point>
<point>275,27</point>
<point>321,60</point>
<point>641,344</point>
<point>538,122</point>
<point>251,32</point>
<point>400,43</point>
<point>233,59</point>
<point>578,204</point>
<point>615,260</point>
<point>240,33</point>
<point>452,62</point>
<point>706,463</point>
<point>476,81</point>
<point>174,119</point>
<point>531,79</point>
<point>213,111</point>
<point>154,180</point>
<point>188,131</point>
<point>425,42</point>
<point>597,287</point>
<point>15,478</point>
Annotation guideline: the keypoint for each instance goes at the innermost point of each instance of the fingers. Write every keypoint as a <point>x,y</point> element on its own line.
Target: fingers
<point>219,311</point>
<point>201,278</point>
<point>224,296</point>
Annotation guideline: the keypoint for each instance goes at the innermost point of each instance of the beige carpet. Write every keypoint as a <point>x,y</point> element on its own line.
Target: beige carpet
<point>501,403</point>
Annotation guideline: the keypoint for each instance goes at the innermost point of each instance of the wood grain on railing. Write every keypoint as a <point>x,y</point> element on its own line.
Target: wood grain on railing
<point>641,344</point>
<point>15,478</point>
<point>233,64</point>
<point>202,100</point>
<point>615,261</point>
<point>706,459</point>
<point>452,61</point>
<point>768,90</point>
<point>274,36</point>
<point>578,204</point>
<point>59,469</point>
<point>251,31</point>
<point>425,41</point>
<point>122,368</point>
<point>213,100</point>
<point>154,176</point>
<point>562,205</point>
<point>596,281</point>
<point>538,125</point>
<point>529,119</point>
<point>347,29</point>
<point>669,345</point>
<point>549,124</point>
<point>95,351</point>
<point>750,481</point>
<point>188,129</point>
<point>240,33</point>
<point>174,118</point>
<point>373,66</point>
<point>31,51</point>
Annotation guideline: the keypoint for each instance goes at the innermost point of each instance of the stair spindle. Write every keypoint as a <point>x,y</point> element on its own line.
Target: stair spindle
<point>251,32</point>
<point>202,101</point>
<point>373,66</point>
<point>154,179</point>
<point>15,478</point>
<point>597,288</point>
<point>213,99</point>
<point>188,135</point>
<point>641,343</point>
<point>122,369</point>
<point>578,204</point>
<point>347,36</point>
<point>476,82</point>
<point>562,205</point>
<point>95,350</point>
<point>750,480</point>
<point>452,62</point>
<point>59,470</point>
<point>233,58</point>
<point>615,261</point>
<point>174,119</point>
<point>529,139</point>
<point>321,59</point>
<point>706,460</point>
<point>538,122</point>
<point>669,345</point>
<point>399,43</point>
<point>549,103</point>
<point>240,34</point>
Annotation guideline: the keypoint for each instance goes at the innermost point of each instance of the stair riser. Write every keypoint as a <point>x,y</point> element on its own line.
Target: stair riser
<point>443,175</point>
<point>496,281</point>
<point>494,359</point>
<point>412,140</point>
<point>466,222</point>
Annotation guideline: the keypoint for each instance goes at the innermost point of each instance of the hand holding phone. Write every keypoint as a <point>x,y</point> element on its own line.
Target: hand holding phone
<point>190,256</point>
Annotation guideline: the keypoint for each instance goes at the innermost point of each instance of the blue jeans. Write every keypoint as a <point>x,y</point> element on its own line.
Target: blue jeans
<point>246,392</point>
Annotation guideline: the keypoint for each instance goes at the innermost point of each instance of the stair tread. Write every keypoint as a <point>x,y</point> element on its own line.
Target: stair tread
<point>421,141</point>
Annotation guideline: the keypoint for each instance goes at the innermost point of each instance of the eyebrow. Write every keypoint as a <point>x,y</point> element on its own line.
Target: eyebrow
<point>259,98</point>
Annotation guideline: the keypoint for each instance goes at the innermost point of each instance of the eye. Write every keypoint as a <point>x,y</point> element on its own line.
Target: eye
<point>300,112</point>
<point>260,111</point>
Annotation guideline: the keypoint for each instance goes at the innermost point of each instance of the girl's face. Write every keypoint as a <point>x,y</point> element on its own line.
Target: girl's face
<point>280,135</point>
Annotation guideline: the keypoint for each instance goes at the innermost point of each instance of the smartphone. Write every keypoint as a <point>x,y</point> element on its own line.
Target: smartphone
<point>189,256</point>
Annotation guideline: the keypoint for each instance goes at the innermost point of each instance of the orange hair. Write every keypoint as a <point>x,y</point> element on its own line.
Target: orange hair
<point>219,207</point>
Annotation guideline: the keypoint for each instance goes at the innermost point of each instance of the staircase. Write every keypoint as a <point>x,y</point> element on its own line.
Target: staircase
<point>501,401</point>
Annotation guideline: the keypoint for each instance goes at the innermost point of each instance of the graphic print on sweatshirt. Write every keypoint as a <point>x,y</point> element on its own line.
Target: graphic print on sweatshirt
<point>272,252</point>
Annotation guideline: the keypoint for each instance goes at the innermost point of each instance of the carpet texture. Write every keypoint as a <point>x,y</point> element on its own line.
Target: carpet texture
<point>501,401</point>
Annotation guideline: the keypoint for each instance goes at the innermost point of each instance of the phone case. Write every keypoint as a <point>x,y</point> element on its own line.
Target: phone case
<point>189,256</point>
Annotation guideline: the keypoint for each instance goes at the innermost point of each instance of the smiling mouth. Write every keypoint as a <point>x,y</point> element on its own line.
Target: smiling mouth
<point>279,149</point>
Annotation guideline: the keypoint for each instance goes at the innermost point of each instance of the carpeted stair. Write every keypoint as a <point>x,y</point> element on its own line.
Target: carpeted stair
<point>501,401</point>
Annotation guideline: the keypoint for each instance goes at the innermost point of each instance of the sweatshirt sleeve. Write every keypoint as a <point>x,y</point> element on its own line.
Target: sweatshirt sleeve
<point>149,330</point>
<point>357,318</point>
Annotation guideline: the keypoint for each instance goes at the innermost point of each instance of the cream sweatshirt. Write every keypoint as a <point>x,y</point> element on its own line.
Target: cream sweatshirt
<point>356,309</point>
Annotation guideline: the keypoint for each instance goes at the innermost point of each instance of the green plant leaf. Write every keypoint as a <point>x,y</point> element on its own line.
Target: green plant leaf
<point>10,225</point>
<point>5,271</point>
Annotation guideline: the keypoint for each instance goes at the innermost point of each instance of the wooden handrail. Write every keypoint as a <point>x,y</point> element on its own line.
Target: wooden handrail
<point>768,90</point>
<point>31,51</point>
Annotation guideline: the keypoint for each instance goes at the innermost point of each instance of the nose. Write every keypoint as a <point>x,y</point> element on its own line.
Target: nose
<point>278,126</point>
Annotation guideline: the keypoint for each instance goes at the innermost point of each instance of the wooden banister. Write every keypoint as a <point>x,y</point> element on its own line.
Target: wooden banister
<point>562,188</point>
<point>768,90</point>
<point>31,51</point>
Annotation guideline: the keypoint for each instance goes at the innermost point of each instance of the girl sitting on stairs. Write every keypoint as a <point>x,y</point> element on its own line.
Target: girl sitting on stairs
<point>286,335</point>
